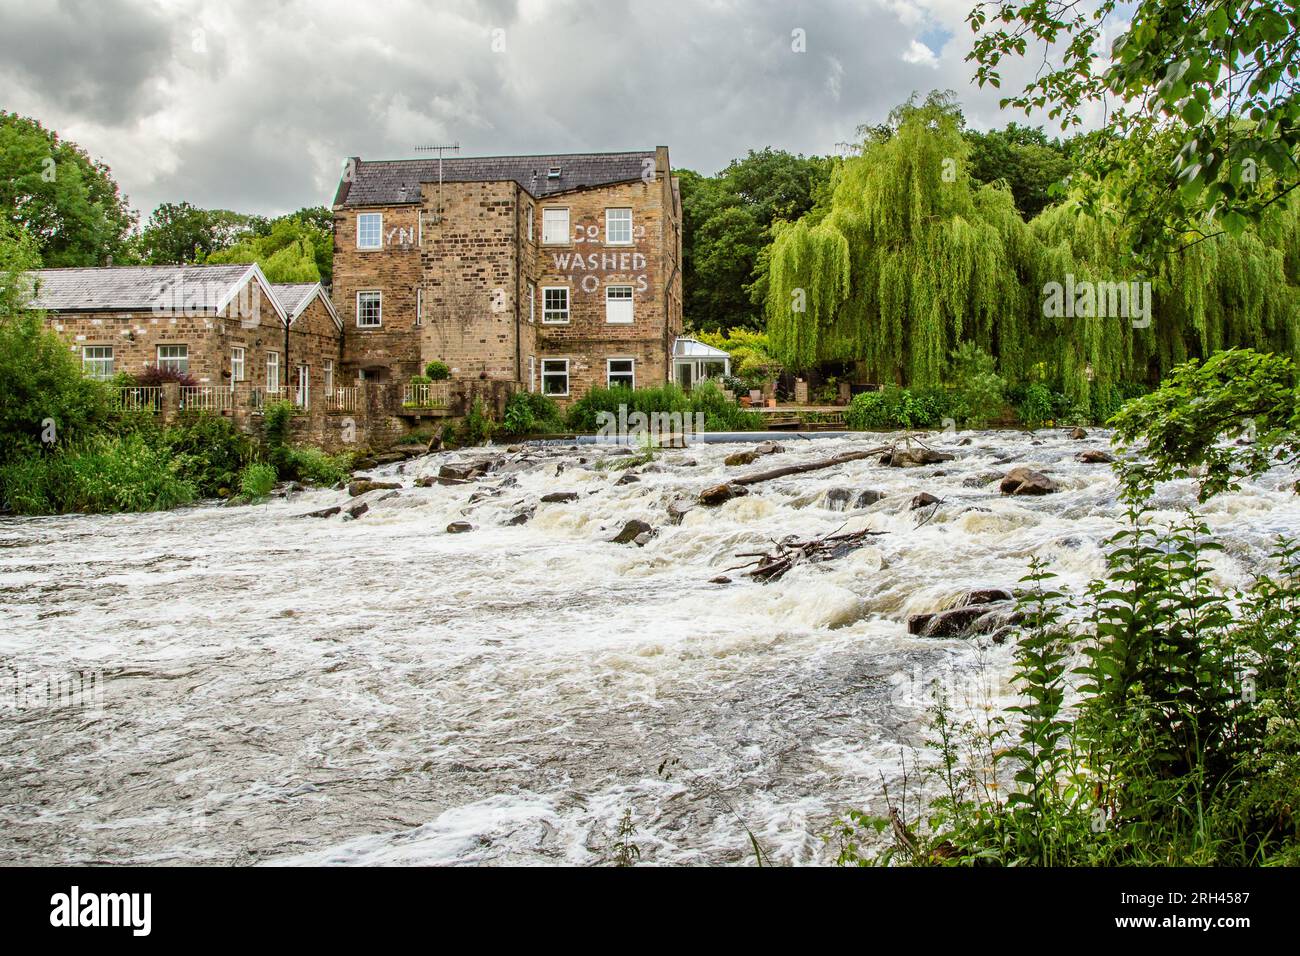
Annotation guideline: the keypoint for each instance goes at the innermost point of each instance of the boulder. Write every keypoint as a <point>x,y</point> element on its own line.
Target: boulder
<point>1078,433</point>
<point>362,486</point>
<point>1026,481</point>
<point>868,497</point>
<point>560,497</point>
<point>459,527</point>
<point>982,479</point>
<point>722,493</point>
<point>519,517</point>
<point>768,448</point>
<point>720,579</point>
<point>634,531</point>
<point>979,611</point>
<point>1095,457</point>
<point>965,441</point>
<point>924,500</point>
<point>628,479</point>
<point>323,513</point>
<point>467,470</point>
<point>426,481</point>
<point>741,458</point>
<point>913,457</point>
<point>358,509</point>
<point>954,622</point>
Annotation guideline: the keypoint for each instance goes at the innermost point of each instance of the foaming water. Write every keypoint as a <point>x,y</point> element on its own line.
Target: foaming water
<point>299,690</point>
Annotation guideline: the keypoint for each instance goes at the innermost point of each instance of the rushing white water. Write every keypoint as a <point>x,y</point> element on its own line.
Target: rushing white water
<point>306,690</point>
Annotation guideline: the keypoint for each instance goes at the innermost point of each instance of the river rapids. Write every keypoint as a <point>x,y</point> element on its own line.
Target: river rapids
<point>271,688</point>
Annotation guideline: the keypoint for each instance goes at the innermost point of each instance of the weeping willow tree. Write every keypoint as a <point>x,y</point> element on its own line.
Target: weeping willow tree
<point>1213,294</point>
<point>913,258</point>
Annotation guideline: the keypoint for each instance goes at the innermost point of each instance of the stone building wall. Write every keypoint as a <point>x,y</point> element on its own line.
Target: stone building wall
<point>476,266</point>
<point>392,351</point>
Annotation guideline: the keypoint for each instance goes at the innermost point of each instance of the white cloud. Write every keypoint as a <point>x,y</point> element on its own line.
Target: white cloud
<point>920,54</point>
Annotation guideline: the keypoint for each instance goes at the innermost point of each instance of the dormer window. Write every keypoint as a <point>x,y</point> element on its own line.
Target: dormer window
<point>553,172</point>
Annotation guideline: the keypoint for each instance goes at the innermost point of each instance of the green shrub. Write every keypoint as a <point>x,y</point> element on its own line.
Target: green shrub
<point>42,391</point>
<point>256,481</point>
<point>720,413</point>
<point>100,475</point>
<point>277,419</point>
<point>529,413</point>
<point>420,380</point>
<point>311,465</point>
<point>477,427</point>
<point>1035,405</point>
<point>209,451</point>
<point>1182,750</point>
<point>894,407</point>
<point>437,371</point>
<point>979,388</point>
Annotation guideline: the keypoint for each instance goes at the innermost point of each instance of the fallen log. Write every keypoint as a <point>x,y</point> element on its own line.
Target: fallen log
<point>807,466</point>
<point>790,551</point>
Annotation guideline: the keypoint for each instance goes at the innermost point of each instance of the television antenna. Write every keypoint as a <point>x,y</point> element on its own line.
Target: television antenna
<point>440,150</point>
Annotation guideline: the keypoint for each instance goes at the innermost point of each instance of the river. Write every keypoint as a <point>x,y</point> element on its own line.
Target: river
<point>267,687</point>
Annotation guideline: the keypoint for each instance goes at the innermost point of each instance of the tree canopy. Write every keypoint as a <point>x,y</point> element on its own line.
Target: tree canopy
<point>727,218</point>
<point>916,257</point>
<point>297,247</point>
<point>67,203</point>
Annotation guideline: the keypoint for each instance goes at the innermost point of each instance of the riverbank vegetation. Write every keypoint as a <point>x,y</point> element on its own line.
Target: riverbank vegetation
<point>66,445</point>
<point>1157,719</point>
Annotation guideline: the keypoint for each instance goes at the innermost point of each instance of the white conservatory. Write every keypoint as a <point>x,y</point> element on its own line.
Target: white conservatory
<point>693,361</point>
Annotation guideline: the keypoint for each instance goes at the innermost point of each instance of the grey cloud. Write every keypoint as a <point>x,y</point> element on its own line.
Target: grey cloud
<point>89,56</point>
<point>266,117</point>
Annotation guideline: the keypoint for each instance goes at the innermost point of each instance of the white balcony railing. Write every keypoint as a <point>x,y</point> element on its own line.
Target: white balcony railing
<point>205,398</point>
<point>140,398</point>
<point>426,395</point>
<point>342,399</point>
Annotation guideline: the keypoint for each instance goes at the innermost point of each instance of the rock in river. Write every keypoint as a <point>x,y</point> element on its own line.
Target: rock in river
<point>361,486</point>
<point>1026,481</point>
<point>636,531</point>
<point>560,497</point>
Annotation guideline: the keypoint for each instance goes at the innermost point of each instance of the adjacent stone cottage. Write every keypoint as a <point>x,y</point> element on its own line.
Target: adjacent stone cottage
<point>551,272</point>
<point>225,326</point>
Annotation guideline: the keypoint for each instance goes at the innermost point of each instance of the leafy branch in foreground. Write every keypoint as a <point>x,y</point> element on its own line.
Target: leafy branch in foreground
<point>1188,424</point>
<point>1203,111</point>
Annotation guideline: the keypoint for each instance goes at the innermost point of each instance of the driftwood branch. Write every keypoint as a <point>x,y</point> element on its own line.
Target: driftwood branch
<point>770,565</point>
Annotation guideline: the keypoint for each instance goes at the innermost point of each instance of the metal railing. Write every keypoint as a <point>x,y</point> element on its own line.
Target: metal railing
<point>426,395</point>
<point>140,398</point>
<point>342,399</point>
<point>205,398</point>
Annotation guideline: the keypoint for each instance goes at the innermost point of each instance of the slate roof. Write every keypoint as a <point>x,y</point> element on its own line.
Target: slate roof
<point>397,181</point>
<point>131,288</point>
<point>294,296</point>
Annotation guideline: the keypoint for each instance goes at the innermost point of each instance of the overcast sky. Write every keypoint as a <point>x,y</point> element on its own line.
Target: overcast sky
<point>253,105</point>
